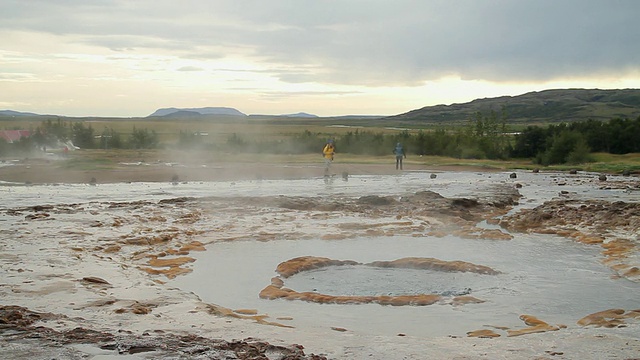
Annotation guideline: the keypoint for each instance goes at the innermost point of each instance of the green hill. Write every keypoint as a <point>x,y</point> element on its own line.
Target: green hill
<point>548,106</point>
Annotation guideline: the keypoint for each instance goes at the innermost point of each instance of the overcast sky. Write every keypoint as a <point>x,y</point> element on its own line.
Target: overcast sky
<point>128,58</point>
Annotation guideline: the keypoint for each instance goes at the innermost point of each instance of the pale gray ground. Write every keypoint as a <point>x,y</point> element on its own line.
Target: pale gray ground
<point>44,258</point>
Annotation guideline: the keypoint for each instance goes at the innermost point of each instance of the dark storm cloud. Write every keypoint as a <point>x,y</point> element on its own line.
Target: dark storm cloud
<point>363,42</point>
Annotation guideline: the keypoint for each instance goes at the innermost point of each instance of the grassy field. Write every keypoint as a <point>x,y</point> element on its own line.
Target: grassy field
<point>612,163</point>
<point>606,163</point>
<point>260,129</point>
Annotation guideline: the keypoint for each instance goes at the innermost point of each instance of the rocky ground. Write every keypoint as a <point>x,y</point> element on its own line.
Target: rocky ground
<point>86,280</point>
<point>23,338</point>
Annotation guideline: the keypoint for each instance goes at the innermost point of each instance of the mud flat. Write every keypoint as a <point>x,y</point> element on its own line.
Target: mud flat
<point>91,269</point>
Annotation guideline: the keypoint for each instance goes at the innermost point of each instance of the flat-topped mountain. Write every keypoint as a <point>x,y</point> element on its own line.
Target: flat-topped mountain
<point>183,112</point>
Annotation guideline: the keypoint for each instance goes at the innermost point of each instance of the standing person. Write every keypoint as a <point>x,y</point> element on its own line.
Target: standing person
<point>328,151</point>
<point>399,151</point>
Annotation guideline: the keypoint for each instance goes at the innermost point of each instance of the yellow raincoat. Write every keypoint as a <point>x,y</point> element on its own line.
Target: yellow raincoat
<point>328,151</point>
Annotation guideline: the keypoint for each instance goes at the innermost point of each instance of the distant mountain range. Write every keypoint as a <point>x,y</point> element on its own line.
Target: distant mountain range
<point>207,111</point>
<point>540,107</point>
<point>15,113</point>
<point>175,113</point>
<point>559,105</point>
<point>181,112</point>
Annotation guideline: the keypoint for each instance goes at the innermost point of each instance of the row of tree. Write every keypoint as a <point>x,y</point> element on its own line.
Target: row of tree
<point>53,133</point>
<point>572,143</point>
<point>485,136</point>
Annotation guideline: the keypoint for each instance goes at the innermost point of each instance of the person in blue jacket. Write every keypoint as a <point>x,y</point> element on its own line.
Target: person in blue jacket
<point>400,154</point>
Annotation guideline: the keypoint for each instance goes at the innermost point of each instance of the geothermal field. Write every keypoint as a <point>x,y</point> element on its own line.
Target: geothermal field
<point>409,265</point>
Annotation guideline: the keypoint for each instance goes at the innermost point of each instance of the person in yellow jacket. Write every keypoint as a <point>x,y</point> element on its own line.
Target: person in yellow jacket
<point>328,151</point>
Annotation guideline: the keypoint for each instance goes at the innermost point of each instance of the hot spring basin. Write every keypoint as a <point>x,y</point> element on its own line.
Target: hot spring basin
<point>552,278</point>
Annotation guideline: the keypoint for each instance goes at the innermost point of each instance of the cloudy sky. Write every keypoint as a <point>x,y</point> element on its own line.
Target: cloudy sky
<point>326,57</point>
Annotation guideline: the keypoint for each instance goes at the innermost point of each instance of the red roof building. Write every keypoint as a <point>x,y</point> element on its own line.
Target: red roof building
<point>12,136</point>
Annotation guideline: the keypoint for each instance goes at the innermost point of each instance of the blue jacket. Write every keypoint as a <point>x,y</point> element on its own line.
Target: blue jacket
<point>399,151</point>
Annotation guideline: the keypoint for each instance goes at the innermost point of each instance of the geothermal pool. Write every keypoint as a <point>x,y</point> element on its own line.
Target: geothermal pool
<point>549,277</point>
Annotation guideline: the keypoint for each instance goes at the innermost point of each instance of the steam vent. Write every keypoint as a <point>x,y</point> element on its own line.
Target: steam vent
<point>277,290</point>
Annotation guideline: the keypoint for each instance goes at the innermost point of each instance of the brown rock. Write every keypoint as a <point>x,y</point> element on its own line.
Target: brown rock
<point>179,261</point>
<point>305,263</point>
<point>95,280</point>
<point>273,292</point>
<point>435,264</point>
<point>246,311</point>
<point>535,326</point>
<point>277,282</point>
<point>193,246</point>
<point>170,273</point>
<point>483,334</point>
<point>606,318</point>
<point>633,272</point>
<point>420,300</point>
